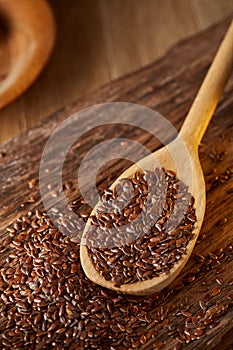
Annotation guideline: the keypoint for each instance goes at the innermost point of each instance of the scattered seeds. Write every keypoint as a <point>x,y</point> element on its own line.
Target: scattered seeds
<point>47,302</point>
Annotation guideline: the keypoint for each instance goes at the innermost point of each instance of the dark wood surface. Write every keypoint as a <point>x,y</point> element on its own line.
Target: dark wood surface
<point>169,86</point>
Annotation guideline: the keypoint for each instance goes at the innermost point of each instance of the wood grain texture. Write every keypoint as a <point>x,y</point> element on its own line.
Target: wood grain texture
<point>169,86</point>
<point>100,40</point>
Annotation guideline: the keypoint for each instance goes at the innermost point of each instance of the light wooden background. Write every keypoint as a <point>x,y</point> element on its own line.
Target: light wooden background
<point>101,40</point>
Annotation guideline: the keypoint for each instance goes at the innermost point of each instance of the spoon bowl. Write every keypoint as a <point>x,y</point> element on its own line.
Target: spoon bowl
<point>166,157</point>
<point>180,156</point>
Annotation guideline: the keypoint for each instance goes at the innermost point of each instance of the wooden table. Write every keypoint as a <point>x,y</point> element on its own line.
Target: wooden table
<point>101,40</point>
<point>169,87</point>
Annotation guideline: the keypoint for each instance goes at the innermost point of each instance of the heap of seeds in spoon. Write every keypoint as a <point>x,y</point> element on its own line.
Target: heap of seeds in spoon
<point>142,227</point>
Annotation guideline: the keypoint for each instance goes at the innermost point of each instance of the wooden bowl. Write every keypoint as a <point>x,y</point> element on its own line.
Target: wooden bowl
<point>27,33</point>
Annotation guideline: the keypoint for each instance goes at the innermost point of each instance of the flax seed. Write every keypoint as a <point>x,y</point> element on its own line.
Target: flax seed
<point>138,241</point>
<point>47,301</point>
<point>32,183</point>
<point>215,291</point>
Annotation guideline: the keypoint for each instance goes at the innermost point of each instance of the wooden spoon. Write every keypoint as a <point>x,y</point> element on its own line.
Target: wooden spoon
<point>181,156</point>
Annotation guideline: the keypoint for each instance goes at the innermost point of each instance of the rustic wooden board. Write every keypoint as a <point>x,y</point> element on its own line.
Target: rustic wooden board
<point>168,86</point>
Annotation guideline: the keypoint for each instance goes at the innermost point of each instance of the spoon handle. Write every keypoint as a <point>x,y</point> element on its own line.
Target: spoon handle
<point>209,93</point>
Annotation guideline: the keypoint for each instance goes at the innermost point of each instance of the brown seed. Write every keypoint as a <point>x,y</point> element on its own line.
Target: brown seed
<point>158,345</point>
<point>31,199</point>
<point>10,229</point>
<point>45,298</point>
<point>32,183</point>
<point>180,340</point>
<point>137,262</point>
<point>222,221</point>
<point>68,185</point>
<point>190,278</point>
<point>200,257</point>
<point>198,332</point>
<point>186,313</point>
<point>202,305</point>
<point>61,330</point>
<point>219,280</point>
<point>213,256</point>
<point>216,291</point>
